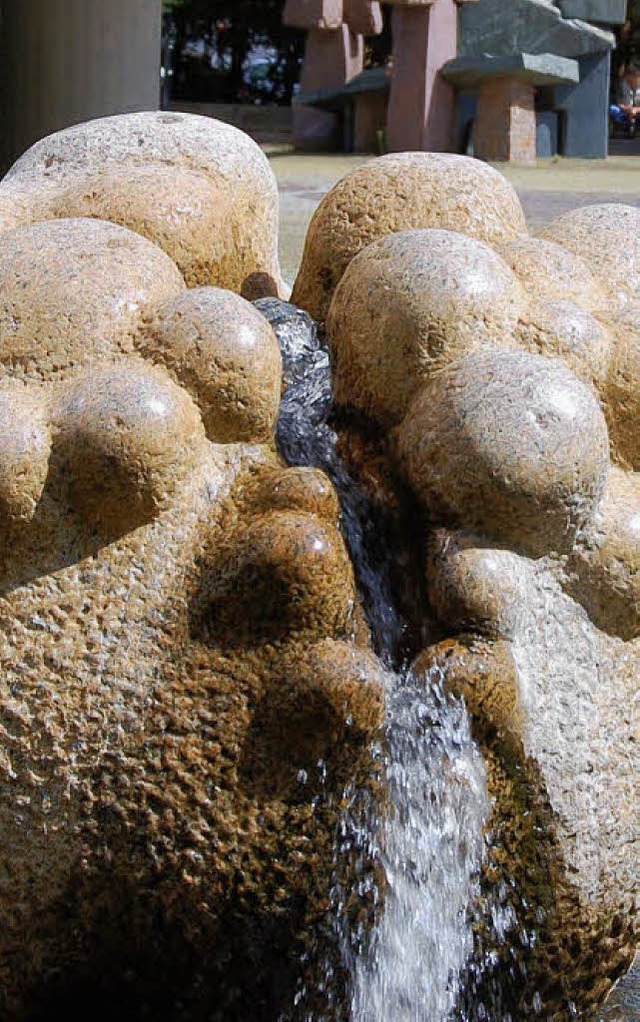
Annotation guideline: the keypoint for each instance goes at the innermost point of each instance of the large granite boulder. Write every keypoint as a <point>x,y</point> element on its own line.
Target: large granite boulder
<point>395,193</point>
<point>513,414</point>
<point>186,681</point>
<point>200,189</point>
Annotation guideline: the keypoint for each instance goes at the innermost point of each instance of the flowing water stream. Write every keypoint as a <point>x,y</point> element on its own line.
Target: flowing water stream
<point>427,841</point>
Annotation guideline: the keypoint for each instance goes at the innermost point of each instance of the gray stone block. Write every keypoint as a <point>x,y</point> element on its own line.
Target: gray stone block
<point>537,69</point>
<point>603,12</point>
<point>526,26</point>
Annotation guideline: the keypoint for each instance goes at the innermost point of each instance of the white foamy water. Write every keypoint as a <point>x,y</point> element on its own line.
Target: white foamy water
<point>429,844</point>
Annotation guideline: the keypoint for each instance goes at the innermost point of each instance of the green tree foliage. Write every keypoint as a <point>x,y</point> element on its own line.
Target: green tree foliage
<point>235,28</point>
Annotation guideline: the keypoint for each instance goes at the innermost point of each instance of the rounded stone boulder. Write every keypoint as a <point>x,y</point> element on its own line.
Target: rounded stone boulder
<point>200,189</point>
<point>482,672</point>
<point>511,444</point>
<point>398,192</point>
<point>474,587</point>
<point>75,292</point>
<point>623,389</point>
<point>408,305</point>
<point>558,328</point>
<point>298,489</point>
<point>224,353</point>
<point>125,436</point>
<point>25,450</point>
<point>290,574</point>
<point>551,272</point>
<point>605,569</point>
<point>330,692</point>
<point>606,238</point>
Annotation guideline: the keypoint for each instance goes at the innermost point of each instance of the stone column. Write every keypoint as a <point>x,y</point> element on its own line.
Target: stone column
<point>332,57</point>
<point>505,128</point>
<point>66,61</point>
<point>421,103</point>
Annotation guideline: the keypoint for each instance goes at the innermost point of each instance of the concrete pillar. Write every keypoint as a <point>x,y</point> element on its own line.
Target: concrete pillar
<point>421,103</point>
<point>505,128</point>
<point>66,61</point>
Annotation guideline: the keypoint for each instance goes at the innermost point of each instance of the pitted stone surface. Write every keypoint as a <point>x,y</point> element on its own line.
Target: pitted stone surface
<point>75,292</point>
<point>607,238</point>
<point>532,563</point>
<point>622,392</point>
<point>561,329</point>
<point>431,296</point>
<point>552,272</point>
<point>395,193</point>
<point>200,189</point>
<point>180,640</point>
<point>604,570</point>
<point>217,346</point>
<point>511,444</point>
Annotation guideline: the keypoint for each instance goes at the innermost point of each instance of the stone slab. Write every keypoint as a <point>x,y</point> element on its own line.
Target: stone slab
<point>603,12</point>
<point>373,80</point>
<point>526,26</point>
<point>536,69</point>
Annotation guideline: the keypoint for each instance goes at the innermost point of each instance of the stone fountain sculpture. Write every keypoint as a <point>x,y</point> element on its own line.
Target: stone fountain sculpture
<point>181,638</point>
<point>513,411</point>
<point>185,664</point>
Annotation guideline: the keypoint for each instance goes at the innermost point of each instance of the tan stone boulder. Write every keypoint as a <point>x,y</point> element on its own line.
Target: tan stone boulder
<point>431,296</point>
<point>200,189</point>
<point>395,193</point>
<point>75,292</point>
<point>622,389</point>
<point>181,643</point>
<point>501,402</point>
<point>510,444</point>
<point>604,569</point>
<point>561,329</point>
<point>553,272</point>
<point>606,238</point>
<point>223,351</point>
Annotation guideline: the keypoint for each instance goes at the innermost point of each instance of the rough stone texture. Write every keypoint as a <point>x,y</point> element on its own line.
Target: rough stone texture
<point>622,392</point>
<point>74,292</point>
<point>553,272</point>
<point>432,295</point>
<point>225,354</point>
<point>200,189</point>
<point>511,444</point>
<point>533,560</point>
<point>181,647</point>
<point>395,193</point>
<point>606,237</point>
<point>562,329</point>
<point>604,569</point>
<point>505,128</point>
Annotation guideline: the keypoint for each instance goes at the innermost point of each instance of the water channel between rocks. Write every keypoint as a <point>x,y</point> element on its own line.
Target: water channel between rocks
<point>428,843</point>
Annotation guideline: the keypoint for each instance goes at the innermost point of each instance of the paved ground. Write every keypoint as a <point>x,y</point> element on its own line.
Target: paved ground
<point>546,190</point>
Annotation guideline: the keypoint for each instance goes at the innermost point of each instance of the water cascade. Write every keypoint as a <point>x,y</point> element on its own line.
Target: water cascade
<point>428,840</point>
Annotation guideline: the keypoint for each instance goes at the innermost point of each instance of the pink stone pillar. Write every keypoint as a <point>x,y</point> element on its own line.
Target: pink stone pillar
<point>332,58</point>
<point>422,103</point>
<point>505,128</point>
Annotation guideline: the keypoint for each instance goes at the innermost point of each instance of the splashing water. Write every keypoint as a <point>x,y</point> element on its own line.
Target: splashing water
<point>430,847</point>
<point>427,839</point>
